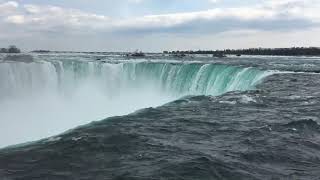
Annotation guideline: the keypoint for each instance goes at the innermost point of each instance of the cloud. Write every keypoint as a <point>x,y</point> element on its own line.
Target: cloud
<point>50,22</point>
<point>8,8</point>
<point>272,16</point>
<point>135,1</point>
<point>282,11</point>
<point>51,17</point>
<point>213,1</point>
<point>16,19</point>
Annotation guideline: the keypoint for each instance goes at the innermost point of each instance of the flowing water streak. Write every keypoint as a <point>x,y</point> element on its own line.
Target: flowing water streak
<point>51,97</point>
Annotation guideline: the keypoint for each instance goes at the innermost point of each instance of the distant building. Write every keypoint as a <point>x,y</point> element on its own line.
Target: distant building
<point>136,54</point>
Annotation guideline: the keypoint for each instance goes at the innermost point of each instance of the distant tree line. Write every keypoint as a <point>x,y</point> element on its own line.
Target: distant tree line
<point>10,49</point>
<point>294,51</point>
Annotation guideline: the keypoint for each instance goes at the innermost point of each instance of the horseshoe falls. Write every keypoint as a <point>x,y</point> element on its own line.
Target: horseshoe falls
<point>106,116</point>
<point>44,98</point>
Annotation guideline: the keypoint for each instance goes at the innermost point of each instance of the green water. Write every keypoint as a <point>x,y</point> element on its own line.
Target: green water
<point>194,79</point>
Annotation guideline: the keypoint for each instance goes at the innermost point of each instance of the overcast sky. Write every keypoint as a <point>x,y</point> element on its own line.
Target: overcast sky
<point>157,25</point>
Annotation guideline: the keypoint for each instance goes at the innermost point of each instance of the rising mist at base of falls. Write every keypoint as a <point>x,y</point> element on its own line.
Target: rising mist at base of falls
<point>30,119</point>
<point>42,99</point>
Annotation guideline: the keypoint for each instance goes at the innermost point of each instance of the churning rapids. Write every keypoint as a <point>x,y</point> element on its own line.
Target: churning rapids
<point>191,118</point>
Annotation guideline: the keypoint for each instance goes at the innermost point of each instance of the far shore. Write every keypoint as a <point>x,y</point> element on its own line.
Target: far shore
<point>293,51</point>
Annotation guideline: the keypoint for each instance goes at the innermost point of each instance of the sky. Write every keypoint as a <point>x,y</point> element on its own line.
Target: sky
<point>157,25</point>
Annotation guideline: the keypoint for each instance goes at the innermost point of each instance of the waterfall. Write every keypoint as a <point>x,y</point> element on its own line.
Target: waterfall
<point>172,79</point>
<point>41,99</point>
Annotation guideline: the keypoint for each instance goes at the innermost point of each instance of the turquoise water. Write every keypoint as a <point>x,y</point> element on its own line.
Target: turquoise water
<point>177,79</point>
<point>194,79</point>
